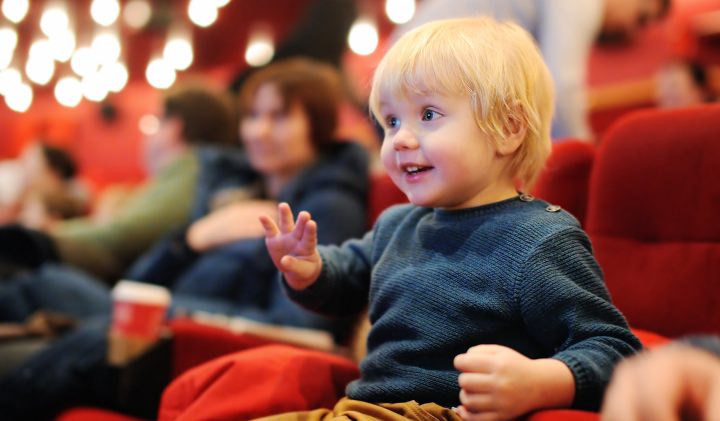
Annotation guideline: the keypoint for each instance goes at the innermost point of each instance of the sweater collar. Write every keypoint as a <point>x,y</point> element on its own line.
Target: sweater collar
<point>483,210</point>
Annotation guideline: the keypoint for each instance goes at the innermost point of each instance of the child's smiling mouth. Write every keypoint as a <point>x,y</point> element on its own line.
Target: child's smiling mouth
<point>413,169</point>
<point>415,173</point>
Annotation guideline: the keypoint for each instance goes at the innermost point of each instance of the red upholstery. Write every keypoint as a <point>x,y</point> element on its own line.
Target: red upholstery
<point>602,120</point>
<point>92,414</point>
<point>650,339</point>
<point>564,415</point>
<point>257,382</point>
<point>195,343</point>
<point>383,194</point>
<point>653,218</point>
<point>565,179</point>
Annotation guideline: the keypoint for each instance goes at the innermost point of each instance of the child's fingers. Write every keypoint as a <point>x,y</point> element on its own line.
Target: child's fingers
<point>285,218</point>
<point>486,349</point>
<point>476,363</point>
<point>712,406</point>
<point>309,238</point>
<point>302,220</point>
<point>476,382</point>
<point>271,230</point>
<point>620,401</point>
<point>473,416</point>
<point>299,267</point>
<point>477,402</point>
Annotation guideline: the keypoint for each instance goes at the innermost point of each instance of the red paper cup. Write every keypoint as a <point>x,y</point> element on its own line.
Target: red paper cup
<point>138,316</point>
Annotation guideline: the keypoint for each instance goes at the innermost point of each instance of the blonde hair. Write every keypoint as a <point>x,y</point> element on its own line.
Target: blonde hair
<point>495,64</point>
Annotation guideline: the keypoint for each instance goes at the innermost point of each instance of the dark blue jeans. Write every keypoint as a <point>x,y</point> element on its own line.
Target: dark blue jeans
<point>53,287</point>
<point>71,371</point>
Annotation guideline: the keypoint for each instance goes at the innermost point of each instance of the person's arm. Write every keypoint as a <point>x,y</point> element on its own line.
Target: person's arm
<point>228,224</point>
<point>105,250</point>
<point>566,307</point>
<point>566,32</point>
<point>668,383</point>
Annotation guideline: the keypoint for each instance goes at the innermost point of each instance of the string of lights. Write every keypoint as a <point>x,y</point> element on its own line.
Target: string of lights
<point>81,63</point>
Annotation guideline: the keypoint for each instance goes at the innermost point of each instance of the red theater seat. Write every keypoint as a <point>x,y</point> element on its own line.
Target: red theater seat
<point>565,179</point>
<point>653,218</point>
<point>383,194</point>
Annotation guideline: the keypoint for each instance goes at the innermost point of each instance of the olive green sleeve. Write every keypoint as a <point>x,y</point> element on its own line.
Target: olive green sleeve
<point>161,205</point>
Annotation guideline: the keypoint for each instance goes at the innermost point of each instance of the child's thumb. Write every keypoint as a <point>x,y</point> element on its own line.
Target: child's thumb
<point>298,272</point>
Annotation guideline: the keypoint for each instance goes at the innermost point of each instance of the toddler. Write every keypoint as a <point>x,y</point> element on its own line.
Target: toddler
<point>485,303</point>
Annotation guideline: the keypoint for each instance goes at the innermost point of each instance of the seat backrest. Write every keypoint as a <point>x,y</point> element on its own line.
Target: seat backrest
<point>383,194</point>
<point>565,178</point>
<point>653,214</point>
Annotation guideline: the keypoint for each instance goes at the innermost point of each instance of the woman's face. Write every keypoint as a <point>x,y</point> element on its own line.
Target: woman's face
<point>277,139</point>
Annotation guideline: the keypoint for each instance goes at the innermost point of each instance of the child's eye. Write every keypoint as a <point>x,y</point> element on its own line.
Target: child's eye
<point>429,114</point>
<point>392,121</point>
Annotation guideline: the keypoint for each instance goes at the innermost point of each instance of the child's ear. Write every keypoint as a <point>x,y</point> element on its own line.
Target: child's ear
<point>514,131</point>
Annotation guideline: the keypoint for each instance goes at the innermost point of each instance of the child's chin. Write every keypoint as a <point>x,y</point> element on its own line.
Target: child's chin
<point>421,201</point>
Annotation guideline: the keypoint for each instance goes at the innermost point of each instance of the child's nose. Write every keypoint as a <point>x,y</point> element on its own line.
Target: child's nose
<point>404,139</point>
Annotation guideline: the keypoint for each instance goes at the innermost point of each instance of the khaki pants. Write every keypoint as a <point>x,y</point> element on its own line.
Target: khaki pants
<point>351,410</point>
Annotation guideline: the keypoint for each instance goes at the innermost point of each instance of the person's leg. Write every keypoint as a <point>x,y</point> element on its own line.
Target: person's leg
<point>69,371</point>
<point>54,288</point>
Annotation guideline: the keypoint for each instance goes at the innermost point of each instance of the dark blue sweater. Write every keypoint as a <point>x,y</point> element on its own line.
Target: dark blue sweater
<point>439,282</point>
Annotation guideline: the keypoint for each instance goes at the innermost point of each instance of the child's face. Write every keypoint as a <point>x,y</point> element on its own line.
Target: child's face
<point>437,155</point>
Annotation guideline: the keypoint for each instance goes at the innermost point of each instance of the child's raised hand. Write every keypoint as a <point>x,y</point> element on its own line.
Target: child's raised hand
<point>499,383</point>
<point>293,246</point>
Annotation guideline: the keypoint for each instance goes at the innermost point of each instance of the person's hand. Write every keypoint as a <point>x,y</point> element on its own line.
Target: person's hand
<point>676,382</point>
<point>499,383</point>
<point>293,246</point>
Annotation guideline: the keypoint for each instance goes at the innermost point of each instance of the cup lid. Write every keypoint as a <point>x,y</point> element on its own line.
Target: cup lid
<point>141,292</point>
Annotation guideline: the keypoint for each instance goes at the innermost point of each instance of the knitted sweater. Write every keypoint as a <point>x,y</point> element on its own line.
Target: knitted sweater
<point>514,273</point>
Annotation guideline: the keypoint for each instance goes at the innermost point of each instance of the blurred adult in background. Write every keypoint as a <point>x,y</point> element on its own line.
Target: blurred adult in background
<point>683,83</point>
<point>288,122</point>
<point>219,263</point>
<point>320,34</point>
<point>565,31</point>
<point>40,187</point>
<point>193,118</point>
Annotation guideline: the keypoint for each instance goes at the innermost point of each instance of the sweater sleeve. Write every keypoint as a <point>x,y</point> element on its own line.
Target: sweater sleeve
<point>344,282</point>
<point>160,206</point>
<point>566,307</point>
